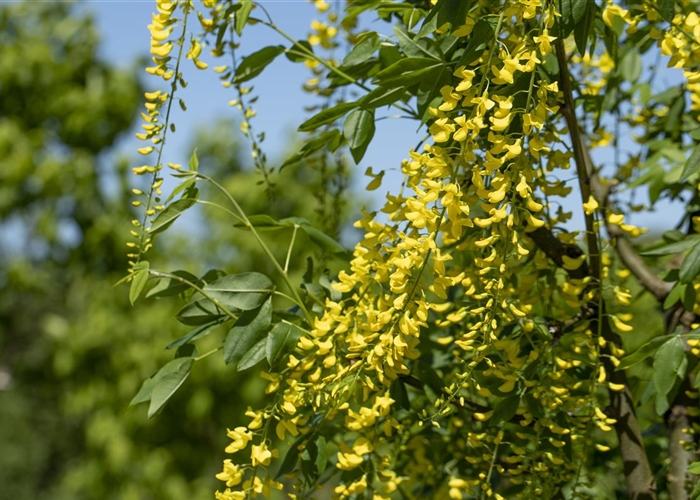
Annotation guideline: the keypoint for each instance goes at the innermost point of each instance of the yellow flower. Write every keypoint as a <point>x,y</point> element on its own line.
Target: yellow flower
<point>376,179</point>
<point>590,206</point>
<point>611,11</point>
<point>441,130</point>
<point>467,76</point>
<point>449,98</point>
<point>349,461</point>
<point>616,387</point>
<point>232,475</point>
<point>230,495</point>
<point>240,436</point>
<point>544,42</point>
<point>260,455</point>
<point>623,327</point>
<point>483,417</point>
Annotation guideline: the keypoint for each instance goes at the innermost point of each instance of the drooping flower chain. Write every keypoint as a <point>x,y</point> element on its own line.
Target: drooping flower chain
<point>452,267</point>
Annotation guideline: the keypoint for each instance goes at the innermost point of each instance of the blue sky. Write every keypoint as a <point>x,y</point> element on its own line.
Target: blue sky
<point>281,105</point>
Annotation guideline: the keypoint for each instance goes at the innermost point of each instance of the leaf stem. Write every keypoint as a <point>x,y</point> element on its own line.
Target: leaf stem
<point>161,274</point>
<point>207,354</point>
<point>325,63</point>
<point>263,246</point>
<point>289,250</point>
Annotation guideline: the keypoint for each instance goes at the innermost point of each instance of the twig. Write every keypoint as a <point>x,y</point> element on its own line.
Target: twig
<point>638,474</point>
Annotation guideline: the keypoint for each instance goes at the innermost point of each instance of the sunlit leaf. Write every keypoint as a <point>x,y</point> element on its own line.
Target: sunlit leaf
<point>690,267</point>
<point>254,64</point>
<point>327,116</point>
<point>248,330</point>
<point>358,130</point>
<point>138,281</point>
<point>170,214</point>
<point>168,385</point>
<point>240,291</point>
<point>281,341</point>
<point>668,360</point>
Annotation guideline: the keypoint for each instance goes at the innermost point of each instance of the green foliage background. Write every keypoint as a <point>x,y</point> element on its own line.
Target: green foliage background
<point>73,351</point>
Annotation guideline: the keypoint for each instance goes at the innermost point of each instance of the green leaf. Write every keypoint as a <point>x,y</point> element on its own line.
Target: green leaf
<point>505,409</point>
<point>667,8</point>
<point>290,460</point>
<point>642,353</point>
<point>146,389</point>
<point>667,363</point>
<point>674,117</point>
<point>193,163</point>
<point>262,223</point>
<point>689,298</point>
<point>254,64</point>
<point>249,329</point>
<point>329,140</point>
<point>430,23</point>
<point>138,280</point>
<point>244,291</point>
<point>254,356</point>
<point>362,51</point>
<point>198,313</point>
<point>661,404</point>
<point>195,334</point>
<point>358,130</point>
<point>265,223</point>
<point>406,71</point>
<point>398,393</point>
<point>169,287</point>
<point>444,11</point>
<point>694,468</point>
<point>299,52</point>
<point>414,46</point>
<point>242,15</point>
<point>673,248</point>
<point>326,116</point>
<point>281,341</point>
<point>582,31</point>
<point>183,186</point>
<point>692,164</point>
<point>325,242</point>
<point>690,267</point>
<point>170,214</point>
<point>168,385</point>
<point>428,376</point>
<point>479,40</point>
<point>572,13</point>
<point>677,293</point>
<point>382,96</point>
<point>631,66</point>
<point>321,454</point>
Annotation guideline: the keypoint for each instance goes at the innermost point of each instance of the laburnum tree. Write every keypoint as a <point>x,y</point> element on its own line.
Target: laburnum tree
<point>501,330</point>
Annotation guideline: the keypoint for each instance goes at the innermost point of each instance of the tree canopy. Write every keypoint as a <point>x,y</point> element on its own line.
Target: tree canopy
<point>73,352</point>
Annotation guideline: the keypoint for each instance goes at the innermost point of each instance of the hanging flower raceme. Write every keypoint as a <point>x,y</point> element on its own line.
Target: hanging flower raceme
<point>156,118</point>
<point>453,267</point>
<point>469,347</point>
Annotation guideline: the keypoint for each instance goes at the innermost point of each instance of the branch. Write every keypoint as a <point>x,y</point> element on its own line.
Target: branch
<point>590,183</point>
<point>555,250</point>
<point>677,423</point>
<point>638,474</point>
<point>635,264</point>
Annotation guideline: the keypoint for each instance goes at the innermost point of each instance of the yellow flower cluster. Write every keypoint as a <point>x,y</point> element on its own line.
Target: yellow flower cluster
<point>452,266</point>
<point>682,44</point>
<point>156,126</point>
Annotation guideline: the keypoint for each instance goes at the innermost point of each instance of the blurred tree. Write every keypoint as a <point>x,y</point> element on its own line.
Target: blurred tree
<point>72,350</point>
